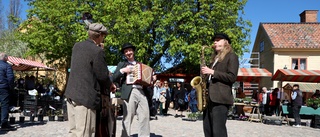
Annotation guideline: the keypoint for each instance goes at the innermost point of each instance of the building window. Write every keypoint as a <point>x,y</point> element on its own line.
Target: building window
<point>299,63</point>
<point>261,46</point>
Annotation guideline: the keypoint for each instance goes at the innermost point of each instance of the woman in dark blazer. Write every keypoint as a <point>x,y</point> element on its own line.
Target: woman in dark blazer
<point>222,73</point>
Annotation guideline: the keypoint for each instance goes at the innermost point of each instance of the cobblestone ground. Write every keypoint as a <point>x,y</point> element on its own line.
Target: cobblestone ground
<point>168,126</point>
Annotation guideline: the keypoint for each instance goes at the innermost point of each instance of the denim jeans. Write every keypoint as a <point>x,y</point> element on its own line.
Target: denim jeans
<point>4,99</point>
<point>193,108</point>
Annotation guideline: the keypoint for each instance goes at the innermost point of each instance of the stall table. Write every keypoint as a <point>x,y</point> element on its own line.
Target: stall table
<point>286,110</point>
<point>255,107</point>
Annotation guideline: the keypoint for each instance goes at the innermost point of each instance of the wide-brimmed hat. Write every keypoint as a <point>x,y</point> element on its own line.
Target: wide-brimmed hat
<point>222,36</point>
<point>97,27</point>
<point>127,45</point>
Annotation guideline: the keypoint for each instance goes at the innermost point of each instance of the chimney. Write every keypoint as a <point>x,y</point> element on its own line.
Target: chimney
<point>309,16</point>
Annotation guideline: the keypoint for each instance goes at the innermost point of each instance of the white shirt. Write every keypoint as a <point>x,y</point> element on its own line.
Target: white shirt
<point>156,93</point>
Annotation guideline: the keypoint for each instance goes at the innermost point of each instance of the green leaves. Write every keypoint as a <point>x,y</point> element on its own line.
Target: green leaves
<point>173,29</point>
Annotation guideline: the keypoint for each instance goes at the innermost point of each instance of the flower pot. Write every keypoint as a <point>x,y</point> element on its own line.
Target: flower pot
<point>31,118</point>
<point>51,118</point>
<point>60,118</point>
<point>40,118</point>
<point>21,119</point>
<point>12,120</point>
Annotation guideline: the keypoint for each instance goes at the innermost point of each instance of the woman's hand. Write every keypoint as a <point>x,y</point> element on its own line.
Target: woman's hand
<point>113,88</point>
<point>206,70</point>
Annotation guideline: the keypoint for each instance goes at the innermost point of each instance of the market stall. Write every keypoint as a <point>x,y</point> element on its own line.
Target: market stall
<point>292,75</point>
<point>252,75</point>
<point>307,79</point>
<point>20,64</point>
<point>28,100</point>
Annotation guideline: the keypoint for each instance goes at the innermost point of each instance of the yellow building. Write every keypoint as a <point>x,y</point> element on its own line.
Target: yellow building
<point>288,45</point>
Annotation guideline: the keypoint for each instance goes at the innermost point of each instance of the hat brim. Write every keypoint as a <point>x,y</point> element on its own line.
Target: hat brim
<point>222,36</point>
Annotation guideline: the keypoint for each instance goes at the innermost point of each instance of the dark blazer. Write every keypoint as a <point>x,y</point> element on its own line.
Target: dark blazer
<point>6,76</point>
<point>120,78</point>
<point>89,74</point>
<point>225,74</point>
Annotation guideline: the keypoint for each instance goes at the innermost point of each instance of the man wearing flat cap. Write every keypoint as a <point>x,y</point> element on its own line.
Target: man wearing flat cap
<point>222,74</point>
<point>88,79</point>
<point>133,95</point>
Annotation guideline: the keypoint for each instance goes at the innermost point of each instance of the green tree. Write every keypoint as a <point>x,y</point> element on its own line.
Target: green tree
<point>170,29</point>
<point>8,42</point>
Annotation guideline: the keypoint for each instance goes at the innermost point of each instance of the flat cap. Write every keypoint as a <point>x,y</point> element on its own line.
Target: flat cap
<point>97,27</point>
<point>222,36</point>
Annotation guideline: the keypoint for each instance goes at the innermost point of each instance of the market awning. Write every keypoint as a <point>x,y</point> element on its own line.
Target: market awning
<point>304,87</point>
<point>252,74</point>
<point>20,64</point>
<point>297,75</point>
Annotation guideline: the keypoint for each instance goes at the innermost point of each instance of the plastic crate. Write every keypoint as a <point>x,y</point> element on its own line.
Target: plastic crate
<point>315,121</point>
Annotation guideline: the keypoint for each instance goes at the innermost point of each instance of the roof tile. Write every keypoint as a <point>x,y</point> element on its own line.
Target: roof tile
<point>293,35</point>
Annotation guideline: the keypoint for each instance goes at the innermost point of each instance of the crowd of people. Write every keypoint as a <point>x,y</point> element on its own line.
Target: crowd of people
<point>271,101</point>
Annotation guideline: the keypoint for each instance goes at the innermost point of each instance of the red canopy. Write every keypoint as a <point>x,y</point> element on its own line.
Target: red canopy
<point>24,64</point>
<point>297,75</point>
<point>252,74</point>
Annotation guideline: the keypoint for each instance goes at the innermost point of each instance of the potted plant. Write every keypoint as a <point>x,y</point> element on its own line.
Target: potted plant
<point>51,115</point>
<point>60,115</point>
<point>21,118</point>
<point>118,94</point>
<point>32,117</point>
<point>40,117</point>
<point>313,102</point>
<point>12,119</point>
<point>195,116</point>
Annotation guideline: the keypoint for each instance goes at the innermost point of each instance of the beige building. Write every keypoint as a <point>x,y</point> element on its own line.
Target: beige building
<point>288,45</point>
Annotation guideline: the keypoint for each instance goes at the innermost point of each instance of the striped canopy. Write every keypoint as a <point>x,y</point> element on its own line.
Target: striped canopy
<point>252,74</point>
<point>297,75</point>
<point>20,64</point>
<point>304,87</point>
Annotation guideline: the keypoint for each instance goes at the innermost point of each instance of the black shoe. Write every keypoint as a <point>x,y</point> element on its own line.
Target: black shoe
<point>176,115</point>
<point>182,116</point>
<point>7,127</point>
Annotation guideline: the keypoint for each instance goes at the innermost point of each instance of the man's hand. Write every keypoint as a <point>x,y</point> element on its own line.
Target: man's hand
<point>126,69</point>
<point>113,88</point>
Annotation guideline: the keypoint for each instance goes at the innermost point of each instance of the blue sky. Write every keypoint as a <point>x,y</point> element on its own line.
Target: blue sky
<point>276,11</point>
<point>258,11</point>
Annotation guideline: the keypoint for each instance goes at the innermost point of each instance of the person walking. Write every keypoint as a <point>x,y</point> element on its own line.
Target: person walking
<point>222,74</point>
<point>296,96</point>
<point>168,98</point>
<point>6,85</point>
<point>133,95</point>
<point>156,95</point>
<point>193,101</point>
<point>179,95</point>
<point>89,76</point>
